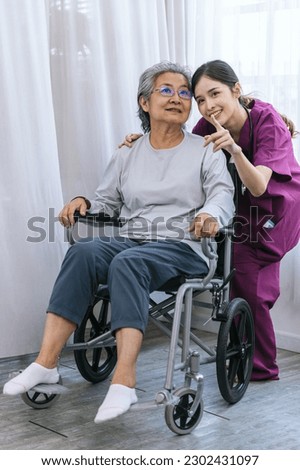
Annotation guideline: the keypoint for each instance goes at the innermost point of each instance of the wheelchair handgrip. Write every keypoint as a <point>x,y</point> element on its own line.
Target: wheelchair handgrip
<point>227,230</point>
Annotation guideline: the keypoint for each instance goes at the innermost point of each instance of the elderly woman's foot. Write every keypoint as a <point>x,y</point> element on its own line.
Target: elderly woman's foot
<point>118,400</point>
<point>33,375</point>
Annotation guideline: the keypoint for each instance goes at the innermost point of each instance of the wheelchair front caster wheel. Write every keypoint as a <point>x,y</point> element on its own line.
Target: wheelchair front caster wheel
<point>177,415</point>
<point>42,396</point>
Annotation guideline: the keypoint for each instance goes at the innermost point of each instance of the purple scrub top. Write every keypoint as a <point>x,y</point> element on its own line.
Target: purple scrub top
<point>271,222</point>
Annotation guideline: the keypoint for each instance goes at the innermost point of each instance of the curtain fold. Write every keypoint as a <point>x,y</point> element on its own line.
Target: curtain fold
<point>30,186</point>
<point>98,49</point>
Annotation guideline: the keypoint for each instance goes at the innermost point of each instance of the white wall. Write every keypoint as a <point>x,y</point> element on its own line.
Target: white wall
<point>286,311</point>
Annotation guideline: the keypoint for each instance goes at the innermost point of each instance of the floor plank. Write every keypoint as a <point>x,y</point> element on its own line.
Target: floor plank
<point>266,418</point>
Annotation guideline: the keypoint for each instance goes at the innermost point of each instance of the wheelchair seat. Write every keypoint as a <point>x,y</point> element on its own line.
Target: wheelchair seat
<point>235,346</point>
<point>95,349</point>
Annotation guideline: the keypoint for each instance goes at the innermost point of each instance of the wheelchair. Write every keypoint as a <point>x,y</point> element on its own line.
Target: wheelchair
<point>95,349</point>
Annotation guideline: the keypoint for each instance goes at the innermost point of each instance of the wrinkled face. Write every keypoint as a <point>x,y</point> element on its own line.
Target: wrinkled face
<point>165,108</point>
<point>214,97</point>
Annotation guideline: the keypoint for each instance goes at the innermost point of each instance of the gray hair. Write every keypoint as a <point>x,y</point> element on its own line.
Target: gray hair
<point>147,82</point>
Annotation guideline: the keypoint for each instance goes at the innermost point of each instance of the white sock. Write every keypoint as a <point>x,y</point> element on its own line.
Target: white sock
<point>118,400</point>
<point>33,375</point>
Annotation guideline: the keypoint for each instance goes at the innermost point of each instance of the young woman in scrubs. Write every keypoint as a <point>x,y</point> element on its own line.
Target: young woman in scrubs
<point>258,145</point>
<point>257,141</point>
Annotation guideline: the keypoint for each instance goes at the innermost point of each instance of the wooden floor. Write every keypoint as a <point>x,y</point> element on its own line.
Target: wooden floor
<point>267,417</point>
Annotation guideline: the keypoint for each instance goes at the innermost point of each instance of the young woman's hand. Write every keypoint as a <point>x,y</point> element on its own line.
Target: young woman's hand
<point>221,139</point>
<point>254,178</point>
<point>129,139</point>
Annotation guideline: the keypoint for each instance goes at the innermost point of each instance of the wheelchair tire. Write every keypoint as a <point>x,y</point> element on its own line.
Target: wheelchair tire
<point>96,364</point>
<point>40,400</point>
<point>177,415</point>
<point>235,349</point>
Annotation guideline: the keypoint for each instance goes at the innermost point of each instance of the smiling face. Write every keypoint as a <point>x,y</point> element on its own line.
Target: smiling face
<point>169,110</point>
<point>216,98</point>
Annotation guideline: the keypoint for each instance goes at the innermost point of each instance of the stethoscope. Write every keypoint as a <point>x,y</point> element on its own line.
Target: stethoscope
<point>249,154</point>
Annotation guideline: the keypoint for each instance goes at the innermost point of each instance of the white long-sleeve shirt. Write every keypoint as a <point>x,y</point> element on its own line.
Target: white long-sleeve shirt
<point>158,193</point>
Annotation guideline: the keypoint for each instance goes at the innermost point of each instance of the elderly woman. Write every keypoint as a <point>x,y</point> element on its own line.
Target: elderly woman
<point>169,191</point>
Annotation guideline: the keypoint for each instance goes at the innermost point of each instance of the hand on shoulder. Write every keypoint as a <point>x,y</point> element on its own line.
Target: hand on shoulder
<point>129,140</point>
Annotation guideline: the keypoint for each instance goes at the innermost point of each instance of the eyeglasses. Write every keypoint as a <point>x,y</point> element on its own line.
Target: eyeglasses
<point>168,92</point>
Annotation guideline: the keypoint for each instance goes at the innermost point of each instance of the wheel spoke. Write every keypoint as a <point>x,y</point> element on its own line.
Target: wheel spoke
<point>232,351</point>
<point>102,319</point>
<point>233,371</point>
<point>35,396</point>
<point>97,353</point>
<point>181,407</point>
<point>95,325</point>
<point>183,421</point>
<point>242,330</point>
<point>234,334</point>
<point>241,372</point>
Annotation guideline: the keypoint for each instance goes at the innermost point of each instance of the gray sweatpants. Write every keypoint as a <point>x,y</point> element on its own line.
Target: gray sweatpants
<point>132,270</point>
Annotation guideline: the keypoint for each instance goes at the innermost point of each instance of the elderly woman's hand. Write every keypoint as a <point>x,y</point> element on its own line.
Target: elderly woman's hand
<point>204,225</point>
<point>129,139</point>
<point>66,216</point>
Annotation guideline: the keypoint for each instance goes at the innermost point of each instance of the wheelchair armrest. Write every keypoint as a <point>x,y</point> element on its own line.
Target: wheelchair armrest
<point>93,222</point>
<point>95,218</point>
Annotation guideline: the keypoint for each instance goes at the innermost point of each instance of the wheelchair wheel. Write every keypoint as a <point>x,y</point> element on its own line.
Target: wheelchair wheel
<point>177,416</point>
<point>40,400</point>
<point>95,364</point>
<point>235,349</point>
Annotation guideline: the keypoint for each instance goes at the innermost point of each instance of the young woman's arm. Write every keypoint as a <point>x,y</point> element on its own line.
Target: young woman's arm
<point>254,178</point>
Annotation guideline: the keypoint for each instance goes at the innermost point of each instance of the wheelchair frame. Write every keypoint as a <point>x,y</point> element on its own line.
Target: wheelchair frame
<point>233,354</point>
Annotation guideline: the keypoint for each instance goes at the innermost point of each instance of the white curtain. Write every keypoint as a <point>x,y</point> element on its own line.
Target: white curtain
<point>68,84</point>
<point>30,182</point>
<point>98,49</point>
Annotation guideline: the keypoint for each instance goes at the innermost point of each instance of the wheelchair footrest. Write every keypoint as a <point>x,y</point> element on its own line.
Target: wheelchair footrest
<point>146,405</point>
<point>50,389</point>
